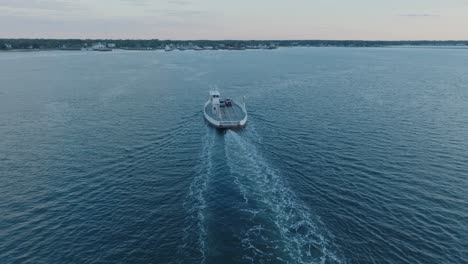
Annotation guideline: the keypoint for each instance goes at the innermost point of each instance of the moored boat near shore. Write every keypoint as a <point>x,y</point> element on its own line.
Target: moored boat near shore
<point>101,47</point>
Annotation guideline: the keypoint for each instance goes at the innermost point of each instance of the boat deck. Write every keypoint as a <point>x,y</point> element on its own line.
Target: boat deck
<point>232,113</point>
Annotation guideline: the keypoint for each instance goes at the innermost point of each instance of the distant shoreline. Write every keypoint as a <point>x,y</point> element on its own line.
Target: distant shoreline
<point>152,44</point>
<point>123,49</point>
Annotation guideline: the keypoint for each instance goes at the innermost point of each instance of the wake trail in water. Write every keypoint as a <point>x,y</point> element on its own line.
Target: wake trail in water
<point>282,228</point>
<point>194,244</point>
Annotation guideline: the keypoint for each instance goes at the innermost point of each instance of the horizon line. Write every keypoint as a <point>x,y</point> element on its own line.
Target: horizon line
<point>156,39</point>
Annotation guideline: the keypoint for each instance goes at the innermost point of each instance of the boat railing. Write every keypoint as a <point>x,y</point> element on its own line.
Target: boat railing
<point>229,123</point>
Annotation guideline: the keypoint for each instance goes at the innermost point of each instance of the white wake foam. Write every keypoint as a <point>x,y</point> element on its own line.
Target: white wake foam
<point>280,221</point>
<point>195,203</point>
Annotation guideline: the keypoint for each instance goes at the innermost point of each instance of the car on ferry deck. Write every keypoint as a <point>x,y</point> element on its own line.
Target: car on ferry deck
<point>222,103</point>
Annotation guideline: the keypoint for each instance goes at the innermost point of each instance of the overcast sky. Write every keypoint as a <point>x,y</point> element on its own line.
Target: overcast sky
<point>236,19</point>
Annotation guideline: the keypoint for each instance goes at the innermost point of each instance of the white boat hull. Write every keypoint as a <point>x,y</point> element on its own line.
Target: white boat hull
<point>226,123</point>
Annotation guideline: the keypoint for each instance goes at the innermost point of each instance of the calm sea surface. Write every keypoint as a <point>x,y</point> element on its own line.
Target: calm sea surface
<point>349,156</point>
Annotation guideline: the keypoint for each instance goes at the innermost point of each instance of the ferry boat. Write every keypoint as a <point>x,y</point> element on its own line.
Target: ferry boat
<point>224,113</point>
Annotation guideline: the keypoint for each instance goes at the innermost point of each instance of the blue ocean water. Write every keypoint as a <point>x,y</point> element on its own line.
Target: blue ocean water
<point>350,155</point>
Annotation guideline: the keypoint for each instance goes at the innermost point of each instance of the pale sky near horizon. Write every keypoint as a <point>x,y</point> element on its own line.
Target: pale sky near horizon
<point>240,19</point>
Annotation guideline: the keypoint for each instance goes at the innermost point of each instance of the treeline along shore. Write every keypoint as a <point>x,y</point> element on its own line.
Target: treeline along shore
<point>150,44</point>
